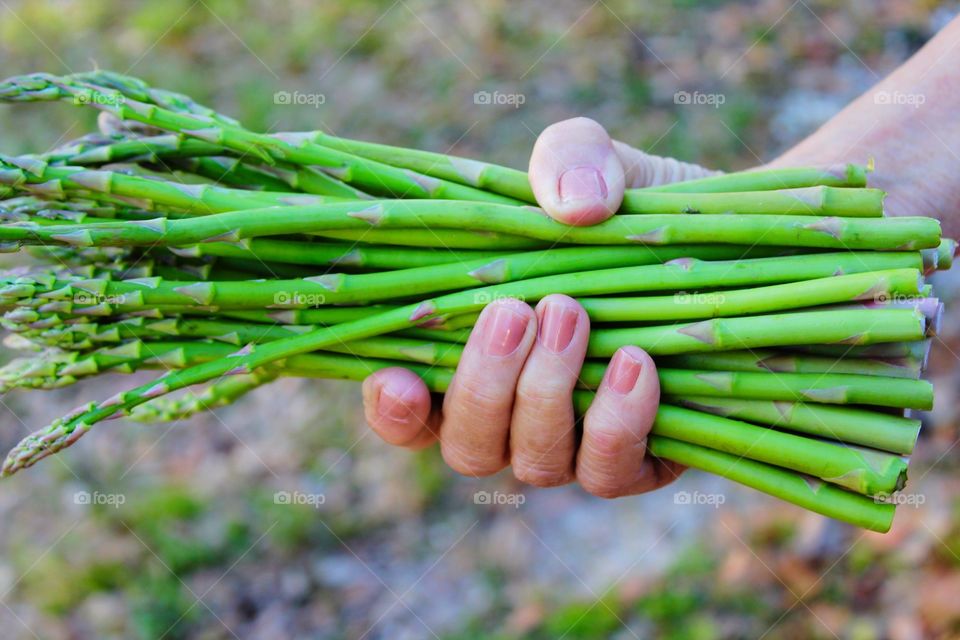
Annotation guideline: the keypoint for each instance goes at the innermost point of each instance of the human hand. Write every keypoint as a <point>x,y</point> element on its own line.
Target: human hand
<point>510,402</point>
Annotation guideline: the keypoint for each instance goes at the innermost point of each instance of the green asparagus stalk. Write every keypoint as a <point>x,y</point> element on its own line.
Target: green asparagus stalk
<point>514,183</point>
<point>840,465</point>
<point>447,239</point>
<point>722,334</point>
<point>843,233</point>
<point>365,174</point>
<point>785,362</point>
<point>219,394</point>
<point>201,158</point>
<point>39,177</point>
<point>484,175</point>
<point>821,498</point>
<point>839,175</point>
<point>864,471</point>
<point>946,252</point>
<point>825,387</point>
<point>587,265</point>
<point>918,349</point>
<point>889,325</point>
<point>855,426</point>
<point>689,306</point>
<point>378,178</point>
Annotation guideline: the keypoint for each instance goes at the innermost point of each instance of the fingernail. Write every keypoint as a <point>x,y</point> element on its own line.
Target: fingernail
<point>556,330</point>
<point>393,407</point>
<point>624,372</point>
<point>582,183</point>
<point>503,331</point>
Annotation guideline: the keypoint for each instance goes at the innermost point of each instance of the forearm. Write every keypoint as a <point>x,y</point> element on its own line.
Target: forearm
<point>910,124</point>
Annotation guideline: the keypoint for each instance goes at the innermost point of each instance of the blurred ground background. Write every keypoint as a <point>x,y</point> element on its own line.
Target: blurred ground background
<point>200,547</point>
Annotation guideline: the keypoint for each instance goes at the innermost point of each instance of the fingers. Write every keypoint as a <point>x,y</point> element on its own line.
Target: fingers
<point>611,460</point>
<point>542,434</point>
<point>575,173</point>
<point>478,405</point>
<point>396,404</point>
<point>644,170</point>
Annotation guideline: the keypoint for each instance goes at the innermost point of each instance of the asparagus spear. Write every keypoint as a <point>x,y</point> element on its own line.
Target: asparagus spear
<point>890,325</point>
<point>514,183</point>
<point>365,174</point>
<point>841,233</point>
<point>847,424</point>
<point>786,362</point>
<point>592,271</point>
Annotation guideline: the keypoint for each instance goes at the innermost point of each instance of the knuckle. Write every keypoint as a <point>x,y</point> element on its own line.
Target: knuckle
<point>469,463</point>
<point>480,401</point>
<point>604,444</point>
<point>540,473</point>
<point>601,485</point>
<point>544,393</point>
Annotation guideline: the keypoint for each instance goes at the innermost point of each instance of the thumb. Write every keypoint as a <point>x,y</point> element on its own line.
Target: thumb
<point>575,172</point>
<point>578,174</point>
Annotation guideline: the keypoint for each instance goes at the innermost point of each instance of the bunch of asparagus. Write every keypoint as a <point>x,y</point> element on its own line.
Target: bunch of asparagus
<point>789,319</point>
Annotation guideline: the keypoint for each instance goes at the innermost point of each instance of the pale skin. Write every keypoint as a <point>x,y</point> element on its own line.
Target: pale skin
<point>510,402</point>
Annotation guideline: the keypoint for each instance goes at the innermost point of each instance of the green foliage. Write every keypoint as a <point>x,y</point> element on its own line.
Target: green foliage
<point>587,620</point>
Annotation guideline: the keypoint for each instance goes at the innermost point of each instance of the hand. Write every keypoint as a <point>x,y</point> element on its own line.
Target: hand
<point>510,400</point>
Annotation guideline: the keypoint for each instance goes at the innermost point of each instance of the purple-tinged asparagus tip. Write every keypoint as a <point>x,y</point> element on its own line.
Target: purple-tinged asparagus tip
<point>428,184</point>
<point>433,323</point>
<point>719,380</point>
<point>155,225</point>
<point>683,263</point>
<point>81,238</point>
<point>238,370</point>
<point>156,390</point>
<point>703,331</point>
<point>656,236</point>
<point>245,351</point>
<point>208,134</point>
<point>491,273</point>
<point>832,226</point>
<point>352,258</point>
<point>329,281</point>
<point>283,317</point>
<point>469,170</point>
<point>424,309</point>
<point>784,408</point>
<point>112,401</point>
<point>371,215</point>
<point>199,292</point>
<point>227,236</point>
